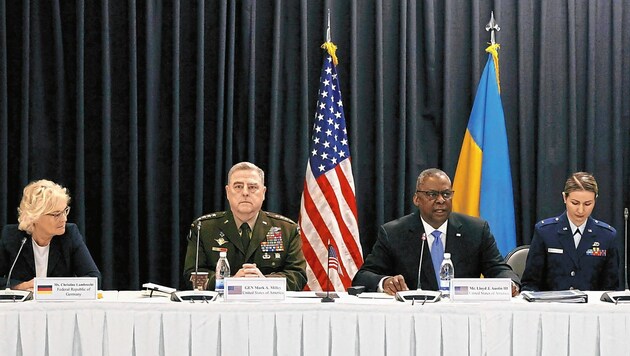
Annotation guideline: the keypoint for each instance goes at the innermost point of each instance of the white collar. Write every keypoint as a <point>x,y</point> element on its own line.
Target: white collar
<point>429,229</point>
<point>573,227</point>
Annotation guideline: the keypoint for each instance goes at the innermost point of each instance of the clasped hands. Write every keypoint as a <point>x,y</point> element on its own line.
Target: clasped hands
<point>249,270</point>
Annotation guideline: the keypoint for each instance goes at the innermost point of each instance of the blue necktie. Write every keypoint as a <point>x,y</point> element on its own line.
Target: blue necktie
<point>437,254</point>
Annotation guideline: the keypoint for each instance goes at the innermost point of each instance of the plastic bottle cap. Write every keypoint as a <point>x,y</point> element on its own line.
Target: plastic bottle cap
<point>222,254</point>
<point>447,255</point>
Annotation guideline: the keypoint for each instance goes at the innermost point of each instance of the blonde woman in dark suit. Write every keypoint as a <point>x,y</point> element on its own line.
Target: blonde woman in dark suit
<point>51,246</point>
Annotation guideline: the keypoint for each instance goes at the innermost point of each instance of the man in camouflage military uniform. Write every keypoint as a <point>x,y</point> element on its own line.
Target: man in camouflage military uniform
<point>258,243</point>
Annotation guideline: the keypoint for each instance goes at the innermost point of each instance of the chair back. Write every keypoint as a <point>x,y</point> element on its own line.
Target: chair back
<point>517,259</point>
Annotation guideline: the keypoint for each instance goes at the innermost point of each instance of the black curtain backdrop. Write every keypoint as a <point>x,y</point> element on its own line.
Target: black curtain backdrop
<point>140,107</point>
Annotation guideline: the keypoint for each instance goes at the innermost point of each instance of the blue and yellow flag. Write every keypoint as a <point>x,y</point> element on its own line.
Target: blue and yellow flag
<point>483,180</point>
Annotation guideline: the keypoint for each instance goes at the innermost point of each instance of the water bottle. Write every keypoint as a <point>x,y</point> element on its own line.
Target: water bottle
<point>222,271</point>
<point>447,272</point>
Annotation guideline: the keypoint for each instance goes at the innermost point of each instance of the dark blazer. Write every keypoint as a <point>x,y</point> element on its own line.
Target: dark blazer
<point>397,251</point>
<point>68,256</point>
<point>553,262</point>
<point>277,235</point>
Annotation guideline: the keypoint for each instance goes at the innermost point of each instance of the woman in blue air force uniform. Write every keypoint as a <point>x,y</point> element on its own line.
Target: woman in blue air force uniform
<point>573,250</point>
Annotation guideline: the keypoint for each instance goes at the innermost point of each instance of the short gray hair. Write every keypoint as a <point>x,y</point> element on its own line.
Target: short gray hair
<point>246,166</point>
<point>430,172</point>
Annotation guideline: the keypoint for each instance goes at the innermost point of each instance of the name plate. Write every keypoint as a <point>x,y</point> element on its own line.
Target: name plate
<point>255,289</point>
<point>481,289</point>
<point>66,288</point>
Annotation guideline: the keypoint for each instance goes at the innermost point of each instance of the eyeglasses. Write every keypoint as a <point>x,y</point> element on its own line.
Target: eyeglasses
<point>433,194</point>
<point>57,215</point>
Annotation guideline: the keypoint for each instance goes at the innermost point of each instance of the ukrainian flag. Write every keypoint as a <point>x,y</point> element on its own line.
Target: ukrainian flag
<point>483,179</point>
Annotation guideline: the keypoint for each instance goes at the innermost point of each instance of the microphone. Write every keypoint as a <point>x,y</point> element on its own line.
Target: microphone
<point>424,241</point>
<point>624,296</point>
<point>425,296</point>
<point>14,262</point>
<point>327,298</point>
<point>625,246</point>
<point>197,248</point>
<point>8,295</point>
<point>197,294</point>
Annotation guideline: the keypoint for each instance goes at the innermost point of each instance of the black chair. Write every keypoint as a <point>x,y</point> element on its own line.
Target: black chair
<point>517,259</point>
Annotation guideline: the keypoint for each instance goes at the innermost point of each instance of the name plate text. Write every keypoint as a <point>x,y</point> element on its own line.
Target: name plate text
<point>255,289</point>
<point>66,288</point>
<point>481,289</point>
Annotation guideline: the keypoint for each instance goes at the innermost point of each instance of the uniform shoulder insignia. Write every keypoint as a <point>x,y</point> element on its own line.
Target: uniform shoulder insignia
<point>216,215</point>
<point>604,225</point>
<point>548,221</point>
<point>279,217</point>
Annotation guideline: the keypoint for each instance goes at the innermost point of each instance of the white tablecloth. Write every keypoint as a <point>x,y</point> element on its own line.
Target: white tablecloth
<point>121,324</point>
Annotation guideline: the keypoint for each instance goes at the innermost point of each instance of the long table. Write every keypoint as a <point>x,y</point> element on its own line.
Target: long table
<point>128,323</point>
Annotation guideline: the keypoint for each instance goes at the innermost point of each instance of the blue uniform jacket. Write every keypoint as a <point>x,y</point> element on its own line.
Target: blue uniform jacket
<point>553,262</point>
<point>68,256</point>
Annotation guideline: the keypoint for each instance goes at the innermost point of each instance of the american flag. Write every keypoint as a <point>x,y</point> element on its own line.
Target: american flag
<point>235,289</point>
<point>328,211</point>
<point>333,261</point>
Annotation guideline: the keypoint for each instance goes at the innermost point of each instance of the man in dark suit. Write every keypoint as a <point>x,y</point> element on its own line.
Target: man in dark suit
<point>393,264</point>
<point>258,243</point>
<point>573,250</point>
